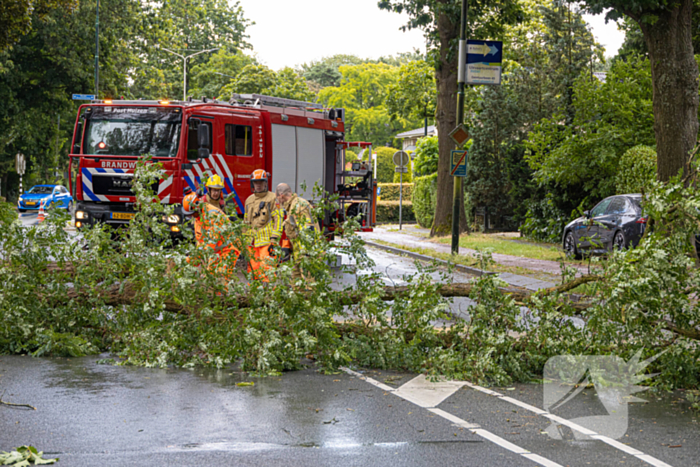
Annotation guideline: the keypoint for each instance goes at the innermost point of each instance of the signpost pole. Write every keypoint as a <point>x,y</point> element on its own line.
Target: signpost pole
<point>402,161</point>
<point>456,195</point>
<point>400,197</point>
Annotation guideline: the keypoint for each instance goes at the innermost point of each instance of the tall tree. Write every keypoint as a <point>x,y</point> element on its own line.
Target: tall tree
<point>185,27</point>
<point>440,21</point>
<point>668,34</point>
<point>39,73</point>
<point>325,72</point>
<point>570,47</point>
<point>18,16</point>
<point>222,67</point>
<point>363,93</point>
<point>414,94</point>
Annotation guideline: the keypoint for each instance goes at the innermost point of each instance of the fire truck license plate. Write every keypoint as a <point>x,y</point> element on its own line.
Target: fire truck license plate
<point>122,215</point>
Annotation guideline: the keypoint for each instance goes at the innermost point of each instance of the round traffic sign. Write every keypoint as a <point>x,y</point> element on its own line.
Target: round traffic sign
<point>401,158</point>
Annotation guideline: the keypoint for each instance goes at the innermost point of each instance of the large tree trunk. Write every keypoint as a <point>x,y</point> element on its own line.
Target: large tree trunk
<point>674,74</point>
<point>446,77</point>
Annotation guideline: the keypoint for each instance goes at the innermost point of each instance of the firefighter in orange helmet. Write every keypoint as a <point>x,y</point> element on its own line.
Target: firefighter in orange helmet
<point>209,220</point>
<point>263,220</point>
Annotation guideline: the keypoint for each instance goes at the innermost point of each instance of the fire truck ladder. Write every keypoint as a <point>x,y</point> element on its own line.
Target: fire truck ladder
<point>256,100</point>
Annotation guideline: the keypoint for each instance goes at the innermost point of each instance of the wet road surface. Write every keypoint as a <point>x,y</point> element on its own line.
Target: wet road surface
<point>89,414</point>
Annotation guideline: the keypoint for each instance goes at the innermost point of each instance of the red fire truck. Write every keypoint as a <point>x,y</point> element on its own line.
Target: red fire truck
<point>299,143</point>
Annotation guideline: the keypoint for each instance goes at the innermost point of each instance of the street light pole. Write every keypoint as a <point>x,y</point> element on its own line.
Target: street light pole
<point>184,67</point>
<point>97,50</point>
<point>456,196</point>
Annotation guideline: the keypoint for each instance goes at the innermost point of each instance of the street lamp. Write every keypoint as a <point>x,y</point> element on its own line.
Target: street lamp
<point>184,67</point>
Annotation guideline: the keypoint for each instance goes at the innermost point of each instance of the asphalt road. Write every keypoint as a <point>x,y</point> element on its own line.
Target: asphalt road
<point>29,218</point>
<point>89,414</point>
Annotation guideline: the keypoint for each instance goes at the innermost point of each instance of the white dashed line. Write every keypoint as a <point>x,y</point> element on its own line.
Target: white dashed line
<point>422,393</point>
<point>574,426</point>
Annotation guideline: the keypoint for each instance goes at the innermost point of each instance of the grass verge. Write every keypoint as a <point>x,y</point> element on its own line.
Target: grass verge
<point>508,247</point>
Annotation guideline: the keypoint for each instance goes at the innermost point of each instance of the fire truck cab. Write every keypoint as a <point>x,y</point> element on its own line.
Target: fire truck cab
<point>299,143</point>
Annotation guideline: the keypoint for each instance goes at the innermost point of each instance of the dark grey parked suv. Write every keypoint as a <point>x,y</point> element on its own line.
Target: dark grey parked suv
<point>615,222</point>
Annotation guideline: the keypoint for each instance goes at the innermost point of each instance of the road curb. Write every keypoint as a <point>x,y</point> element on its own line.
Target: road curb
<point>459,267</point>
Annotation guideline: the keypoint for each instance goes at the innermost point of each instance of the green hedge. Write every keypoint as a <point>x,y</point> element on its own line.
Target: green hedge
<point>424,196</point>
<point>390,191</point>
<point>388,212</point>
<point>385,164</point>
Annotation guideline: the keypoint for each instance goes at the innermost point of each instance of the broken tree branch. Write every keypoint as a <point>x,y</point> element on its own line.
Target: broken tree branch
<point>2,402</point>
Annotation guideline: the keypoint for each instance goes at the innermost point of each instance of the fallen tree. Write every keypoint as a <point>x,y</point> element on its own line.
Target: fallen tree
<point>147,302</point>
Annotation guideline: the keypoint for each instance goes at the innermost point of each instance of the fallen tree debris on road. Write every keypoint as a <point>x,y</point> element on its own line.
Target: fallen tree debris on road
<point>145,299</point>
<point>10,404</point>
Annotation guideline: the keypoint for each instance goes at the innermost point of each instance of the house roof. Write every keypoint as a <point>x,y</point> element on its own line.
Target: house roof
<point>417,132</point>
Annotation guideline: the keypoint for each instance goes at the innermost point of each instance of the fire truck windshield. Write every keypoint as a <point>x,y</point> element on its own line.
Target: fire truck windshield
<point>133,131</point>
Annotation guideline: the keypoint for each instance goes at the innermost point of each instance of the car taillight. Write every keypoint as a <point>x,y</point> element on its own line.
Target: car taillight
<point>641,220</point>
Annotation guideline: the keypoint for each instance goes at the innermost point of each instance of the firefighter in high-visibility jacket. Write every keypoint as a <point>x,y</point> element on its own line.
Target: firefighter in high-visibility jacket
<point>209,222</point>
<point>263,220</point>
<point>298,218</point>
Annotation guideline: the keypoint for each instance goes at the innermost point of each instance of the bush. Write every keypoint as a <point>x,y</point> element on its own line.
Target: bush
<point>390,191</point>
<point>385,164</point>
<point>637,170</point>
<point>388,212</point>
<point>427,153</point>
<point>544,221</point>
<point>424,196</point>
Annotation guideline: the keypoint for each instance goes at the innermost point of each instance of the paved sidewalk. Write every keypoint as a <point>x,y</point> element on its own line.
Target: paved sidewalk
<point>414,241</point>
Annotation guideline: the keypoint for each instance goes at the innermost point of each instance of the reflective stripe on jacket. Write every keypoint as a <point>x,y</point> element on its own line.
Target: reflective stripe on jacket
<point>264,218</point>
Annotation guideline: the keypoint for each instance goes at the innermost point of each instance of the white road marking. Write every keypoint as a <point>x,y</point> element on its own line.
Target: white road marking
<point>574,426</point>
<point>412,395</point>
<point>425,393</point>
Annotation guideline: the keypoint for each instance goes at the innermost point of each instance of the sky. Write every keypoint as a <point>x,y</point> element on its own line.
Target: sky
<point>292,32</point>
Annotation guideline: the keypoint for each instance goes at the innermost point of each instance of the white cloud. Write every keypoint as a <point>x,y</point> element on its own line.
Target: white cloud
<point>292,32</point>
<point>289,33</point>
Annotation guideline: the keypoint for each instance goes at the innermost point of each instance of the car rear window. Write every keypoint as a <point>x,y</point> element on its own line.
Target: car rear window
<point>617,206</point>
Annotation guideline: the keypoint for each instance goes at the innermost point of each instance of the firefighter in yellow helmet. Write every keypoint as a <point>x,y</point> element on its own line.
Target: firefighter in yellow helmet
<point>298,217</point>
<point>209,220</point>
<point>263,220</point>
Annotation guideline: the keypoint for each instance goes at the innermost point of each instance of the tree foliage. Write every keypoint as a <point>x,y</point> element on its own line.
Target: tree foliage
<point>39,73</point>
<point>667,29</point>
<point>609,119</point>
<point>224,66</point>
<point>185,28</point>
<point>18,16</point>
<point>363,92</point>
<point>414,94</point>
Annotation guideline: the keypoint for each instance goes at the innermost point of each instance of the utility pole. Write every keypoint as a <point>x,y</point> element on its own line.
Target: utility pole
<point>97,51</point>
<point>461,73</point>
<point>184,67</point>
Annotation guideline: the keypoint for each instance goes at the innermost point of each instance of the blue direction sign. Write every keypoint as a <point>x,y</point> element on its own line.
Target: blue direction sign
<point>83,97</point>
<point>459,163</point>
<point>484,60</point>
